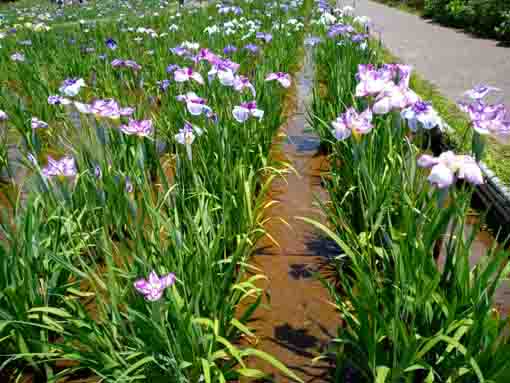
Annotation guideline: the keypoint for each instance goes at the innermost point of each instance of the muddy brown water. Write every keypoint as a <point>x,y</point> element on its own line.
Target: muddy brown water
<point>300,320</point>
<point>482,244</point>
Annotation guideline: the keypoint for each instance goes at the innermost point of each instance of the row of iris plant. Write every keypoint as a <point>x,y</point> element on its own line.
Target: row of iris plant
<point>135,164</point>
<point>411,306</point>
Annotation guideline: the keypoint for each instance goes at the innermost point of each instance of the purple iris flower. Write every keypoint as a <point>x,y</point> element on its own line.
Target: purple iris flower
<point>65,167</point>
<point>448,167</point>
<point>111,44</point>
<point>266,37</point>
<point>164,84</point>
<point>141,128</point>
<point>350,122</point>
<point>38,124</point>
<point>225,74</point>
<point>186,137</point>
<point>283,78</point>
<point>107,108</point>
<point>229,49</point>
<point>339,29</point>
<point>187,134</point>
<point>243,82</point>
<point>179,51</point>
<point>71,86</point>
<point>97,172</point>
<point>3,116</point>
<point>153,287</point>
<point>58,100</point>
<point>480,91</point>
<point>312,41</point>
<point>185,74</point>
<point>372,81</point>
<point>394,97</point>
<point>17,56</point>
<point>246,110</point>
<point>128,185</point>
<point>253,48</point>
<point>172,68</point>
<point>489,119</point>
<point>118,63</point>
<point>359,38</point>
<point>196,105</point>
<point>423,113</point>
<point>206,55</point>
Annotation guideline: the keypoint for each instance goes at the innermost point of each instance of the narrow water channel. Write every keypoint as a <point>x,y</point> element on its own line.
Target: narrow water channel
<point>300,321</point>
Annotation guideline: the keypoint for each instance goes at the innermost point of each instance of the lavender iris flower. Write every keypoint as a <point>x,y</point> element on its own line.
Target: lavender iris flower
<point>65,167</point>
<point>246,110</point>
<point>58,100</point>
<point>225,74</point>
<point>17,56</point>
<point>111,44</point>
<point>266,37</point>
<point>3,116</point>
<point>186,137</point>
<point>97,172</point>
<point>105,108</point>
<point>142,128</point>
<point>118,63</point>
<point>394,97</point>
<point>229,49</point>
<point>371,81</point>
<point>172,68</point>
<point>153,287</point>
<point>480,91</point>
<point>179,51</point>
<point>423,113</point>
<point>164,84</point>
<point>448,167</point>
<point>205,54</point>
<point>352,122</point>
<point>196,105</point>
<point>185,74</point>
<point>488,119</point>
<point>243,82</point>
<point>187,134</point>
<point>251,48</point>
<point>312,41</point>
<point>340,29</point>
<point>71,87</point>
<point>359,38</point>
<point>128,185</point>
<point>38,124</point>
<point>283,78</point>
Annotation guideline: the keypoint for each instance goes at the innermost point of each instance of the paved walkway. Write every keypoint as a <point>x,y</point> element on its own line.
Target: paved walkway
<point>450,59</point>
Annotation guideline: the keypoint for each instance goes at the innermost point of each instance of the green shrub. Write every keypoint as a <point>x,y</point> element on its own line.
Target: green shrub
<point>484,17</point>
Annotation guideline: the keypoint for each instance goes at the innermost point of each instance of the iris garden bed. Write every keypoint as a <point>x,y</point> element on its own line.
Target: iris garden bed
<point>144,144</point>
<point>404,318</point>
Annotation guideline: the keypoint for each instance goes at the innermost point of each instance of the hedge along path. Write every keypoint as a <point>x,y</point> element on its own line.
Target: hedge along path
<point>297,322</point>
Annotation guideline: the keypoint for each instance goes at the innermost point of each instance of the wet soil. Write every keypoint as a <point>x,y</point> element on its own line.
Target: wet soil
<point>300,321</point>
